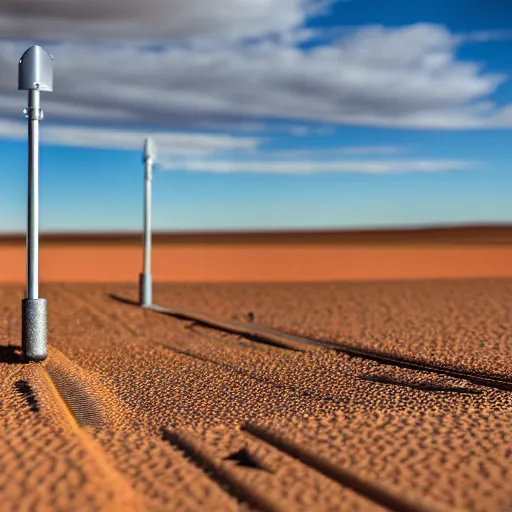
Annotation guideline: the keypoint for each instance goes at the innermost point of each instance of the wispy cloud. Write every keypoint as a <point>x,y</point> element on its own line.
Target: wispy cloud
<point>331,153</point>
<point>483,36</point>
<point>215,153</point>
<point>313,167</point>
<point>174,143</point>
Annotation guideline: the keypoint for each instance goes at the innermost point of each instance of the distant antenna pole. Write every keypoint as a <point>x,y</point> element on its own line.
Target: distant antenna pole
<point>145,279</point>
<point>35,74</point>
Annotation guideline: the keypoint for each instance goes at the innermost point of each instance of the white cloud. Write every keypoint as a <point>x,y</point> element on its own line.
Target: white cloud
<point>373,76</point>
<point>196,152</point>
<point>330,153</point>
<point>207,64</point>
<point>371,150</point>
<point>178,144</point>
<point>313,167</point>
<point>154,19</point>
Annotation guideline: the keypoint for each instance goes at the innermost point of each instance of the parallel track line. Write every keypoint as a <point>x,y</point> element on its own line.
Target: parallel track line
<point>218,471</point>
<point>371,490</point>
<point>267,335</point>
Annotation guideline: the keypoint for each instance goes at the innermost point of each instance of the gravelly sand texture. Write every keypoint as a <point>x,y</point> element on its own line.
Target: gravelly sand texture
<point>135,410</point>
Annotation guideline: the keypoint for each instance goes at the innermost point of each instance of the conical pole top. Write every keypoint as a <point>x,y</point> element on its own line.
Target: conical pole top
<point>35,70</point>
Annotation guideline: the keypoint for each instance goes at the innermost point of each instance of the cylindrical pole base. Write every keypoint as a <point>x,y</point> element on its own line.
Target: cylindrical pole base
<point>34,329</point>
<point>145,289</point>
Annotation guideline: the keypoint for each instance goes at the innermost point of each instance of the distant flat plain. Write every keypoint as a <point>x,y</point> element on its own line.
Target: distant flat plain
<point>279,256</point>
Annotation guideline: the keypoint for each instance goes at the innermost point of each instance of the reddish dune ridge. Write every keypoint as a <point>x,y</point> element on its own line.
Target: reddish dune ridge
<point>277,257</point>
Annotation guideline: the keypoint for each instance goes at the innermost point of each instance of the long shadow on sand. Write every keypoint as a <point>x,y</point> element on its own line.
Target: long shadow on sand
<point>290,341</point>
<point>123,299</point>
<point>230,327</point>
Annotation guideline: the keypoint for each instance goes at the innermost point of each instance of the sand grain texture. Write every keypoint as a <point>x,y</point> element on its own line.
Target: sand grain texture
<point>136,410</point>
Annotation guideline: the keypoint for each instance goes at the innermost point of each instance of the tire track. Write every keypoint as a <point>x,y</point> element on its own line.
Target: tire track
<point>56,411</point>
<point>256,378</point>
<point>221,474</point>
<point>419,386</point>
<point>262,476</point>
<point>372,490</point>
<point>262,333</point>
<point>145,465</point>
<point>252,332</point>
<point>90,403</point>
<point>322,396</point>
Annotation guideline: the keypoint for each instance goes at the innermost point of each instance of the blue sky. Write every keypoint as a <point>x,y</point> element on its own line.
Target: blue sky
<point>267,115</point>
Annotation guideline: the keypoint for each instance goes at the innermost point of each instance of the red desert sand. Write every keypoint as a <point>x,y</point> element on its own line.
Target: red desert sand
<point>268,257</point>
<point>375,396</point>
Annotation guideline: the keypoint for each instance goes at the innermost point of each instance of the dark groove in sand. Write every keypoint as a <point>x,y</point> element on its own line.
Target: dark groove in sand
<point>423,387</point>
<point>371,490</point>
<point>290,341</point>
<point>261,380</point>
<point>474,377</point>
<point>274,338</point>
<point>227,480</point>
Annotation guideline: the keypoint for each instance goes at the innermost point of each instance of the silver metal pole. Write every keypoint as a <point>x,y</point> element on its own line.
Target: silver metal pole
<point>146,298</point>
<point>33,195</point>
<point>147,218</point>
<point>145,279</point>
<point>33,309</point>
<point>35,74</point>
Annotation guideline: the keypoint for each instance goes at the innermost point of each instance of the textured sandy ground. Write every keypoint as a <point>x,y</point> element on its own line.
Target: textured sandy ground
<point>136,410</point>
<point>460,324</point>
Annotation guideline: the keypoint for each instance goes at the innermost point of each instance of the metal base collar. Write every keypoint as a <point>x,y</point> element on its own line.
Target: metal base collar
<point>34,329</point>
<point>145,290</point>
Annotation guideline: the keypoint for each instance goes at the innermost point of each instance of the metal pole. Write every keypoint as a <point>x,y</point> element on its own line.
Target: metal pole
<point>146,298</point>
<point>33,309</point>
<point>147,218</point>
<point>35,74</point>
<point>145,279</point>
<point>33,196</point>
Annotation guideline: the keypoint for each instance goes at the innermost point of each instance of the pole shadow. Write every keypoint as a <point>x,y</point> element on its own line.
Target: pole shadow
<point>11,355</point>
<point>130,302</point>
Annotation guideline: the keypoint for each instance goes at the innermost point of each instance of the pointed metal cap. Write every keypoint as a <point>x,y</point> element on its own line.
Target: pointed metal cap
<point>35,70</point>
<point>149,149</point>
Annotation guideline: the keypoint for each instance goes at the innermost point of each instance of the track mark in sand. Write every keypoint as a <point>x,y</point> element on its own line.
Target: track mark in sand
<point>385,359</point>
<point>117,326</point>
<point>249,331</point>
<point>256,378</point>
<point>421,386</point>
<point>221,473</point>
<point>89,401</point>
<point>112,486</point>
<point>264,476</point>
<point>372,490</point>
<point>266,334</point>
<point>92,405</point>
<point>430,387</point>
